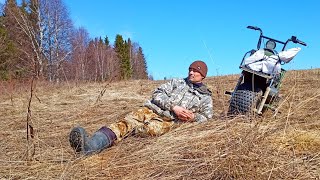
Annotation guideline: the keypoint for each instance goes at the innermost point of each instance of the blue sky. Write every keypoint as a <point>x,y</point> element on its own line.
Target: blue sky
<point>174,33</point>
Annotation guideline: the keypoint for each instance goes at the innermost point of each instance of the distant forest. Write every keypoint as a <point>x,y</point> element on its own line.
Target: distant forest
<point>38,39</point>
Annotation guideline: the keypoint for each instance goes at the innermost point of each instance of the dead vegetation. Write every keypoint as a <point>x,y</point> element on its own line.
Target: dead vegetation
<point>286,146</point>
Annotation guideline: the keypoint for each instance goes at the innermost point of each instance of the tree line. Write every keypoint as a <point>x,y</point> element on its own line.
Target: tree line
<point>38,39</point>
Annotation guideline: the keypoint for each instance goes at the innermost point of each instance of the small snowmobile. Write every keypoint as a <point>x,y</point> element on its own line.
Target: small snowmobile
<point>260,80</point>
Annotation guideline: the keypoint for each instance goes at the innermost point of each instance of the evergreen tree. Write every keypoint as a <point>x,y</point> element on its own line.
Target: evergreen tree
<point>143,65</point>
<point>18,63</point>
<point>127,59</point>
<point>122,50</point>
<point>106,41</point>
<point>7,51</point>
<point>35,40</point>
<point>100,41</point>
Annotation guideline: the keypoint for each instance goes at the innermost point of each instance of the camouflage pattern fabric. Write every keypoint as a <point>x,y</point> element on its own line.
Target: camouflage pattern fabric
<point>156,118</point>
<point>142,122</point>
<point>182,93</point>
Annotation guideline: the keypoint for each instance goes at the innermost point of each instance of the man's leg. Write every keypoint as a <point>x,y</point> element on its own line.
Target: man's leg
<point>105,136</point>
<point>155,127</point>
<point>82,143</point>
<point>130,123</point>
<point>142,122</point>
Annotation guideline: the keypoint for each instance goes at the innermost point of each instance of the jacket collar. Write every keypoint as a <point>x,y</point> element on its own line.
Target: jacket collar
<point>200,87</point>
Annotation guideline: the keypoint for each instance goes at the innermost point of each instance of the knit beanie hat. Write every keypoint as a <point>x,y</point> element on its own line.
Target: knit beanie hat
<point>200,66</point>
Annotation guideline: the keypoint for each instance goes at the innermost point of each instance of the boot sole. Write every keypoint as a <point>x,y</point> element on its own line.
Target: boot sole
<point>76,139</point>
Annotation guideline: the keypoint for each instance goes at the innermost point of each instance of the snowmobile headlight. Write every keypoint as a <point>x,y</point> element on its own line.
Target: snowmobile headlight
<point>271,44</point>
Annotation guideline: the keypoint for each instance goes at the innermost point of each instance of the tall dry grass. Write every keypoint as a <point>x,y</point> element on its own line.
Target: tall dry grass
<point>285,146</point>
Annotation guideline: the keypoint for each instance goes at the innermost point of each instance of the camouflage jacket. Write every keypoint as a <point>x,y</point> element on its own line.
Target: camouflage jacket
<point>182,92</point>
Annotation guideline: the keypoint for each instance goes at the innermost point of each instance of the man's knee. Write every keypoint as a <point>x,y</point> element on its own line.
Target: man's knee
<point>154,128</point>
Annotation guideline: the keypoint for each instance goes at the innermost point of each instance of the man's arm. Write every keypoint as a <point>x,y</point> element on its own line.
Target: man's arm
<point>183,114</point>
<point>161,96</point>
<point>206,111</point>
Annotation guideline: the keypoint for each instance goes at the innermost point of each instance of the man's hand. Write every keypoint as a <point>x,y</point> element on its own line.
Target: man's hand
<point>183,114</point>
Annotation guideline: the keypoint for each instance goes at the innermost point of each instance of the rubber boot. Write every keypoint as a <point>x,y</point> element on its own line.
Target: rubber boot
<point>81,143</point>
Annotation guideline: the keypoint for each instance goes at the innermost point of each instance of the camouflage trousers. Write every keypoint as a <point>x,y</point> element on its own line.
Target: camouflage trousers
<point>143,122</point>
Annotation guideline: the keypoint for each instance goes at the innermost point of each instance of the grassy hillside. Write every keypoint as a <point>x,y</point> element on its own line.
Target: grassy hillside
<point>285,146</point>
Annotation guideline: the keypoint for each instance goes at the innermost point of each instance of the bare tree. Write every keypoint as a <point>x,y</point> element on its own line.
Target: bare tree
<point>101,57</point>
<point>49,46</point>
<point>80,41</point>
<point>112,64</point>
<point>47,29</point>
<point>57,35</point>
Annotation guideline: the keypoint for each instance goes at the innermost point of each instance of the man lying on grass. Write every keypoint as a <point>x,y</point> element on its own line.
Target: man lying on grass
<point>179,100</point>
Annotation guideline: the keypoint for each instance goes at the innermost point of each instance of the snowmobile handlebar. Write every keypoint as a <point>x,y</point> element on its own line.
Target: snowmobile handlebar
<point>294,39</point>
<point>254,28</point>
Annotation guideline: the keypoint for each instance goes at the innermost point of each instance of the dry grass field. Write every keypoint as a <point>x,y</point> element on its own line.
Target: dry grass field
<point>285,146</point>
